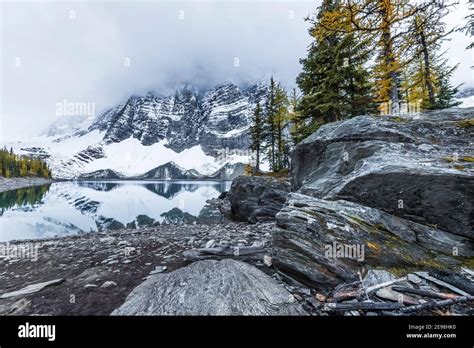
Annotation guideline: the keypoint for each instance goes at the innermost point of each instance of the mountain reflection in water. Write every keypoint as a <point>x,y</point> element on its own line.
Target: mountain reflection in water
<point>65,208</point>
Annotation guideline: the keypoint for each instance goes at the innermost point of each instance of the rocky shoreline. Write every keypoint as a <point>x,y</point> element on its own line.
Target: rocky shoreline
<point>98,270</point>
<point>16,183</point>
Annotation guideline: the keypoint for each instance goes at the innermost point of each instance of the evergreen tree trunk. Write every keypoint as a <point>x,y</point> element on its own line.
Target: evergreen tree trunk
<point>427,71</point>
<point>392,75</point>
<point>280,146</point>
<point>257,165</point>
<point>390,59</point>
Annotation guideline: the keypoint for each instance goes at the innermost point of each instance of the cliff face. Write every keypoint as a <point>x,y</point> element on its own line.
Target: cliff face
<point>379,192</point>
<point>215,119</point>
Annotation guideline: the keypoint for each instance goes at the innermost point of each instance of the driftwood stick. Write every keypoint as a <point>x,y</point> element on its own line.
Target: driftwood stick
<point>367,306</point>
<point>436,304</point>
<point>455,279</point>
<point>432,294</point>
<point>383,285</point>
<point>426,276</point>
<point>345,295</point>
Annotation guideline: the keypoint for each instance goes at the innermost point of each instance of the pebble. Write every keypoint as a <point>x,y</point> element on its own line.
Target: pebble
<point>305,291</point>
<point>414,278</point>
<point>108,284</point>
<point>159,269</point>
<point>320,297</point>
<point>90,286</point>
<point>267,260</point>
<point>210,243</point>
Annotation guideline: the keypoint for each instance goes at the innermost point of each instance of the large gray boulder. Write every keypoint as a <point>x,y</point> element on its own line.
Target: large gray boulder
<point>209,287</point>
<point>400,187</point>
<point>323,243</point>
<point>419,167</point>
<point>257,198</point>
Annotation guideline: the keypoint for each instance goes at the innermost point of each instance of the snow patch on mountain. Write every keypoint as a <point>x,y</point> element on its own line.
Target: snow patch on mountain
<point>131,158</point>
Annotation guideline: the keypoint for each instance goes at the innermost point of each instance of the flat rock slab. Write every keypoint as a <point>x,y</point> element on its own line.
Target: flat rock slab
<point>209,287</point>
<point>31,288</point>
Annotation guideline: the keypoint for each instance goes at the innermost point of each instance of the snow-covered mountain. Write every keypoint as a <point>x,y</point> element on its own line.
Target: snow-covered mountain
<point>189,133</point>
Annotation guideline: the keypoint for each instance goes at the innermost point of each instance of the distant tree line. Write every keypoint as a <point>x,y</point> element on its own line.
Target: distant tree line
<point>366,57</point>
<point>22,196</point>
<point>14,166</point>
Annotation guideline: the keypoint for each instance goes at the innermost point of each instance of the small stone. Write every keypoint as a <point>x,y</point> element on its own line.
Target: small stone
<point>305,291</point>
<point>159,269</point>
<point>267,260</point>
<point>375,277</point>
<point>320,297</point>
<point>19,305</point>
<point>108,284</point>
<point>122,243</point>
<point>90,286</point>
<point>126,261</point>
<point>148,264</point>
<point>414,278</point>
<point>210,243</point>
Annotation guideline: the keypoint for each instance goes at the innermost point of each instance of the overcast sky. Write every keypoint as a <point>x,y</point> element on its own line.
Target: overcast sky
<point>103,51</point>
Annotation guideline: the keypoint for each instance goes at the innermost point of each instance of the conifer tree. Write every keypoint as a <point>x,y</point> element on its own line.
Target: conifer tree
<point>257,134</point>
<point>294,115</point>
<point>428,70</point>
<point>383,20</point>
<point>280,120</point>
<point>334,81</point>
<point>275,124</point>
<point>269,124</point>
<point>445,97</point>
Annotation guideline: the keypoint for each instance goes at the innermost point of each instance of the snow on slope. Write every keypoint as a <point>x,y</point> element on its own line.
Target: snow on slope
<point>128,157</point>
<point>131,158</point>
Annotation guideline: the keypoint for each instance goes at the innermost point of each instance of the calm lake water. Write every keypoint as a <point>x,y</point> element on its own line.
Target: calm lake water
<point>66,208</point>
